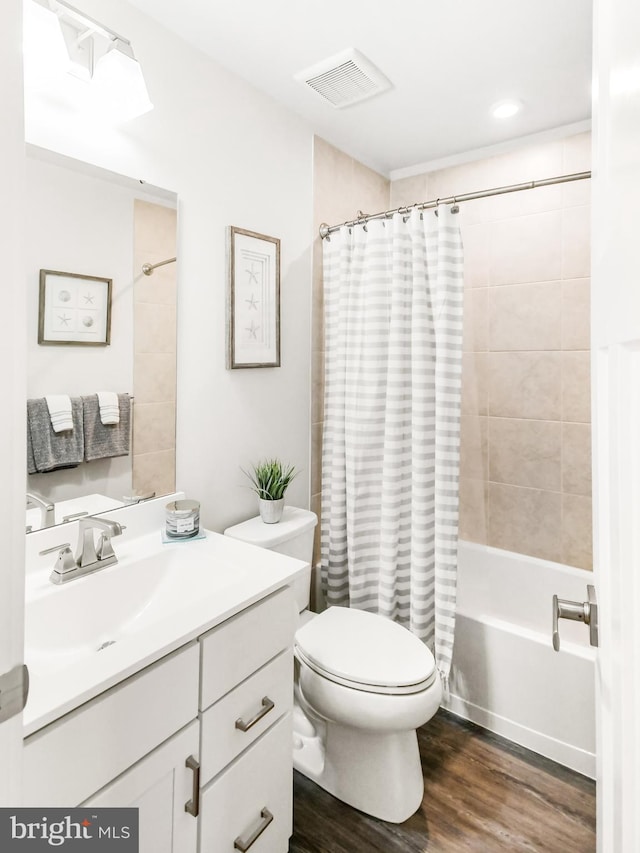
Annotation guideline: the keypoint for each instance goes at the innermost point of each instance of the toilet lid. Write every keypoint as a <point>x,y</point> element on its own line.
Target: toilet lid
<point>366,649</point>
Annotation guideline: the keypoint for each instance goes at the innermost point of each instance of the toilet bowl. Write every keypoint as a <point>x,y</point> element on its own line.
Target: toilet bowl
<point>363,685</point>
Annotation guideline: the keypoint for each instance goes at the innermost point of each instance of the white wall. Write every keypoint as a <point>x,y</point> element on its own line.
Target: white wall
<point>235,158</point>
<point>12,357</point>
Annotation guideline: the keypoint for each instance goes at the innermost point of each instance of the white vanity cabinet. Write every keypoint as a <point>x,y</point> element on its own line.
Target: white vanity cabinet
<point>199,742</point>
<point>159,786</point>
<point>246,734</point>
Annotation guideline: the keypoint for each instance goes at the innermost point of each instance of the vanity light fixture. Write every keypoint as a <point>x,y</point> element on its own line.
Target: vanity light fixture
<point>506,109</point>
<point>103,60</point>
<point>119,82</point>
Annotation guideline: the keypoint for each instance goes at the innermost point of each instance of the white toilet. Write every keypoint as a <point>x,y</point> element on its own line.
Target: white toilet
<point>363,686</point>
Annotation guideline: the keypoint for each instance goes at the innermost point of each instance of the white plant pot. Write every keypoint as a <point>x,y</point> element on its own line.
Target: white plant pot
<point>271,511</point>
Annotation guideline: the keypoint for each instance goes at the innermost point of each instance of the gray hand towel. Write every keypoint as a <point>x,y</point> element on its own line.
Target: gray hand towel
<point>104,440</point>
<point>51,449</point>
<point>31,462</point>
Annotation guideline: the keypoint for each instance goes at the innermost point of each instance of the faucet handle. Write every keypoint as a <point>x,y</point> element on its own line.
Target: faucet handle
<point>54,548</point>
<point>65,563</point>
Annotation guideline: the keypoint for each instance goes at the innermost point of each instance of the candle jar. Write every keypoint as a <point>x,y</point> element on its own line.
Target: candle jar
<point>183,519</point>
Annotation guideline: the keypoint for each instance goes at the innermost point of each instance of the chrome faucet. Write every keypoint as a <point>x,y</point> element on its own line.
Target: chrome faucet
<point>90,556</point>
<point>47,509</point>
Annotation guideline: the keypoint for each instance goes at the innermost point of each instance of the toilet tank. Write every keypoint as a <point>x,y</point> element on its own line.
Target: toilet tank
<point>292,536</point>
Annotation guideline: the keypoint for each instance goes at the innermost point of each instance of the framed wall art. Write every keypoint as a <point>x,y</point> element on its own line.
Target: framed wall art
<point>253,299</point>
<point>74,309</point>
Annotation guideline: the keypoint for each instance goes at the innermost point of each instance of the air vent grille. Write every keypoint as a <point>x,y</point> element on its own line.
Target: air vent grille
<point>345,79</point>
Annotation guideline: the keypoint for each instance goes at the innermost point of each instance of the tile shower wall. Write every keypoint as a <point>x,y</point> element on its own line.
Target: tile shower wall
<point>154,381</point>
<point>526,435</point>
<point>341,187</point>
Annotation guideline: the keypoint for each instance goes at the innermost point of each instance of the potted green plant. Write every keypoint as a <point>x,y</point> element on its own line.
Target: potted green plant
<point>270,480</point>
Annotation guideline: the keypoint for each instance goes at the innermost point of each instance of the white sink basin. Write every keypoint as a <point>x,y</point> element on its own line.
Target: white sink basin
<point>85,616</point>
<point>86,635</point>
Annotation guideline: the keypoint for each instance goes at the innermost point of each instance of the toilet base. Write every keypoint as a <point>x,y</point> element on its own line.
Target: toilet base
<point>378,773</point>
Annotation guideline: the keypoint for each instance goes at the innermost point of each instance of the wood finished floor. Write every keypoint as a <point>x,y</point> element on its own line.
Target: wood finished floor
<point>483,794</point>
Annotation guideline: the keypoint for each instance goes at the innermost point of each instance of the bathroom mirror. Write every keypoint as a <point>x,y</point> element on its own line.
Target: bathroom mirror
<point>88,222</point>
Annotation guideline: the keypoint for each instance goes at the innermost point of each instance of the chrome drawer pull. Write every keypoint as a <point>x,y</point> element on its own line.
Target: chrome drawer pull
<point>193,805</point>
<point>265,819</point>
<point>267,705</point>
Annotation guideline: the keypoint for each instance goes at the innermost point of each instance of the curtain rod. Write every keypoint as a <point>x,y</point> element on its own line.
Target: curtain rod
<point>147,269</point>
<point>325,229</point>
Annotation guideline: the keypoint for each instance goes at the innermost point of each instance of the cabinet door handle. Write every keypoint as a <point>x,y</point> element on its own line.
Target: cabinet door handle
<point>193,805</point>
<point>267,705</point>
<point>244,844</point>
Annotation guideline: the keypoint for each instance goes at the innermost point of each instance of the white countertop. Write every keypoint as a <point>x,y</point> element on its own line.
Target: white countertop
<point>161,596</point>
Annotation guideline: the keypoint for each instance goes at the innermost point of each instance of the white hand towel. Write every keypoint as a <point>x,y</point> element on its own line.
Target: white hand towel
<point>59,406</point>
<point>109,407</point>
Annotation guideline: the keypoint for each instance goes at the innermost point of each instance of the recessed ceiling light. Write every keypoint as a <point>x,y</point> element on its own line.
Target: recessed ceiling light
<point>506,109</point>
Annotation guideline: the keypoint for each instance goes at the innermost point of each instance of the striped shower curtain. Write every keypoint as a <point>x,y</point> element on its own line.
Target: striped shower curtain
<point>390,458</point>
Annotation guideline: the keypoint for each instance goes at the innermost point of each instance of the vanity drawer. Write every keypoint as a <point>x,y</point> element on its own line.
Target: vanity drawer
<point>238,647</point>
<point>263,697</point>
<point>71,759</point>
<point>240,800</point>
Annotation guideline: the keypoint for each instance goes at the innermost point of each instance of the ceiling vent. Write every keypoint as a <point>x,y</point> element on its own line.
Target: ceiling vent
<point>344,79</point>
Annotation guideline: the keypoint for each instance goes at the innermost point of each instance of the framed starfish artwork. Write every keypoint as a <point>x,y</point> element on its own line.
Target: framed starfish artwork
<point>253,299</point>
<point>74,309</point>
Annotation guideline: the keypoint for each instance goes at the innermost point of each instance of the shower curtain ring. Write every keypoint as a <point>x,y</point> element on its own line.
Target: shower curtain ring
<point>455,207</point>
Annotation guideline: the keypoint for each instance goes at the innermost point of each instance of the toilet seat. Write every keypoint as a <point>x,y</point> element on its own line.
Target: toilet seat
<point>364,651</point>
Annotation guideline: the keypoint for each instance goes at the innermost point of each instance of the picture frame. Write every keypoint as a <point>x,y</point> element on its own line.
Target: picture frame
<point>253,299</point>
<point>74,309</point>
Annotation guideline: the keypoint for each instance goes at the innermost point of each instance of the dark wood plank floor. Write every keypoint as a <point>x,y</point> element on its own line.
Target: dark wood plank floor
<point>483,794</point>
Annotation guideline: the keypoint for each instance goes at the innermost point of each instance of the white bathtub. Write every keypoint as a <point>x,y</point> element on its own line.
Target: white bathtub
<point>506,676</point>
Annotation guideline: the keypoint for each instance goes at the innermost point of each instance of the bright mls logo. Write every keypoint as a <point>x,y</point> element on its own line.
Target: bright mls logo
<point>106,830</point>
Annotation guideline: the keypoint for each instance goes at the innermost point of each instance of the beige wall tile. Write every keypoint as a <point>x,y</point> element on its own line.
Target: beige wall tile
<point>154,228</point>
<point>317,386</point>
<point>408,191</point>
<point>576,459</point>
<point>475,336</point>
<point>525,385</point>
<point>474,519</point>
<point>456,180</point>
<point>332,184</point>
<point>577,531</point>
<point>475,239</point>
<point>154,377</point>
<point>342,186</point>
<point>372,190</point>
<point>528,163</point>
<point>576,387</point>
<point>155,328</point>
<point>527,521</point>
<point>316,458</point>
<point>475,394</point>
<point>473,447</point>
<point>158,288</point>
<point>525,317</point>
<point>154,472</point>
<point>315,505</point>
<point>154,427</point>
<point>576,193</point>
<point>512,205</point>
<point>576,242</point>
<point>576,314</point>
<point>576,153</point>
<point>576,158</point>
<point>526,249</point>
<point>317,601</point>
<point>525,453</point>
